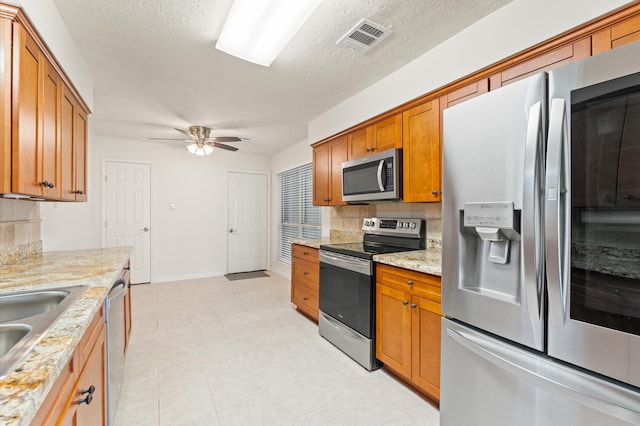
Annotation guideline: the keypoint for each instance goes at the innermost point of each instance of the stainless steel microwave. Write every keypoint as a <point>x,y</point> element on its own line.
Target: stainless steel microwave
<point>374,177</point>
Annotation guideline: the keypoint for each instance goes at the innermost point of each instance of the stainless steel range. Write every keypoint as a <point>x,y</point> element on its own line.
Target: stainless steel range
<point>347,284</point>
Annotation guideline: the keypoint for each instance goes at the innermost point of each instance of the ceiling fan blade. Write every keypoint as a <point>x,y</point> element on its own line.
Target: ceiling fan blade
<point>223,146</point>
<point>186,133</point>
<point>167,139</point>
<point>227,139</point>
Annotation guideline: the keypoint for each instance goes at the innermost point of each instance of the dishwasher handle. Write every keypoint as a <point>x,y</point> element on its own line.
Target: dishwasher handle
<point>118,290</point>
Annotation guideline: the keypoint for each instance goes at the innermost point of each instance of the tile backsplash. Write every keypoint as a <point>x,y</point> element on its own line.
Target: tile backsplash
<point>19,230</point>
<point>349,218</point>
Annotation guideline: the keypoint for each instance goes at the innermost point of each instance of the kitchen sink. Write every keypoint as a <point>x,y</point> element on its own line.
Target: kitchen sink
<point>23,305</point>
<point>26,317</point>
<point>10,335</point>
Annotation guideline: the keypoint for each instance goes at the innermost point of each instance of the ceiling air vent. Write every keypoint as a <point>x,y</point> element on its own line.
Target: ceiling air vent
<point>364,35</point>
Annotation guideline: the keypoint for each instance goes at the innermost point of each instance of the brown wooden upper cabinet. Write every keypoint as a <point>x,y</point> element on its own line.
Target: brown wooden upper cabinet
<point>464,93</point>
<point>551,59</point>
<point>623,32</point>
<point>380,136</point>
<point>327,172</point>
<point>421,156</point>
<point>43,121</point>
<point>73,135</point>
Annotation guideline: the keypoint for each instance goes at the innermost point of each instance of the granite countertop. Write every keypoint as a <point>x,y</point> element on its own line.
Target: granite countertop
<point>428,261</point>
<point>23,391</point>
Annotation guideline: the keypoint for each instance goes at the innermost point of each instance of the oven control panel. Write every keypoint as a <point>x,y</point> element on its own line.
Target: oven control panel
<point>388,226</point>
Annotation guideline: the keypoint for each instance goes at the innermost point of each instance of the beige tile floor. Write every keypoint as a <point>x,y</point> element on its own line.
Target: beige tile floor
<point>215,352</point>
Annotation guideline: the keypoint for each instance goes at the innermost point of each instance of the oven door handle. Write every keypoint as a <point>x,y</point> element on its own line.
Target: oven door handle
<point>354,264</point>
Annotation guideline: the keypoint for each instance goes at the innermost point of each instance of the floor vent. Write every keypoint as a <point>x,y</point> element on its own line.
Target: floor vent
<point>364,35</point>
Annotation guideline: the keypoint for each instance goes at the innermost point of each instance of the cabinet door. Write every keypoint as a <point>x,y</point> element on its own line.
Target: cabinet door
<point>338,153</point>
<point>359,143</point>
<point>425,351</point>
<point>26,169</point>
<point>464,93</point>
<point>6,28</point>
<point>387,134</point>
<point>616,35</point>
<point>421,153</point>
<point>321,174</point>
<point>393,329</point>
<point>50,145</point>
<point>544,62</point>
<point>80,155</point>
<point>67,141</point>
<point>93,413</point>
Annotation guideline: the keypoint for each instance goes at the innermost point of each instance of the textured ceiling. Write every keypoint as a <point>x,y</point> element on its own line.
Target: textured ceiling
<point>155,66</point>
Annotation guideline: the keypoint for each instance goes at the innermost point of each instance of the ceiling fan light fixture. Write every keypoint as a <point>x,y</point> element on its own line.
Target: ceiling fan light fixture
<point>258,31</point>
<point>199,149</point>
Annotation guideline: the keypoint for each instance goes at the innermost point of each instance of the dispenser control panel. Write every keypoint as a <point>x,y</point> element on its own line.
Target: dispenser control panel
<point>490,214</point>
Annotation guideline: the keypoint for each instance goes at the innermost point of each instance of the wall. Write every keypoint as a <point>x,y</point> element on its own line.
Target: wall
<point>19,230</point>
<point>511,29</point>
<point>189,242</point>
<point>349,218</point>
<point>294,156</point>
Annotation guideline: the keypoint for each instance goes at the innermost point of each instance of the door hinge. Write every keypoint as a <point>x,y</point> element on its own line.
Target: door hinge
<point>105,223</point>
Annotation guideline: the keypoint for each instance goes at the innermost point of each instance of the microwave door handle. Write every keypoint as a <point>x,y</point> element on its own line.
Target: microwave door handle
<point>532,235</point>
<point>380,177</point>
<point>556,211</point>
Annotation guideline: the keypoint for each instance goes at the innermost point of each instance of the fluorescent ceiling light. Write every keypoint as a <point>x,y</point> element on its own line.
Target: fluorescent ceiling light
<point>257,31</point>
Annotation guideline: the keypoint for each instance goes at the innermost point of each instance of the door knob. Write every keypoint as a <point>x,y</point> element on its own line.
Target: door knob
<point>231,231</point>
<point>145,229</point>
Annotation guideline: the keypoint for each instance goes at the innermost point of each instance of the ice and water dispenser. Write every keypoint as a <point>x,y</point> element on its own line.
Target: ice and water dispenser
<point>490,249</point>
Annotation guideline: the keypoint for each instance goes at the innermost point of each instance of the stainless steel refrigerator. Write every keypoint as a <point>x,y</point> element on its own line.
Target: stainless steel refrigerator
<point>541,249</point>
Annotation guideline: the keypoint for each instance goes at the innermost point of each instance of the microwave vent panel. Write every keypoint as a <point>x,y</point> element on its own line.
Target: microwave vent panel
<point>364,35</point>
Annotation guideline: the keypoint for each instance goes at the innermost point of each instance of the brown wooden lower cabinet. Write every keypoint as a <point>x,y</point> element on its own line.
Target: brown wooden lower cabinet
<point>408,318</point>
<point>78,397</point>
<point>305,271</point>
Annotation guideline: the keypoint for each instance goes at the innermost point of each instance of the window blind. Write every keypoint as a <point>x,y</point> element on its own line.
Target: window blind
<point>299,218</point>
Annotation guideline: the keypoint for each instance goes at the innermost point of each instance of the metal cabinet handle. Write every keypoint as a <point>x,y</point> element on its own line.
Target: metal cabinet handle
<point>410,283</point>
<point>405,303</point>
<point>79,192</point>
<point>87,400</point>
<point>145,229</point>
<point>413,306</point>
<point>47,184</point>
<point>434,192</point>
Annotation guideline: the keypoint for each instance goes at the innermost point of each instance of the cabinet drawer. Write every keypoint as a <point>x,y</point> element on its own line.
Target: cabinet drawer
<point>423,285</point>
<point>305,298</point>
<point>305,272</point>
<point>304,252</point>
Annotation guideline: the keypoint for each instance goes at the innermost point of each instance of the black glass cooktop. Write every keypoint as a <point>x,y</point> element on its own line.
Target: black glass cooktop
<point>365,250</point>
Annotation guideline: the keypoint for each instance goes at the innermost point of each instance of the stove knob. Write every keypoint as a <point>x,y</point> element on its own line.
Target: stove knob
<point>413,225</point>
<point>406,224</point>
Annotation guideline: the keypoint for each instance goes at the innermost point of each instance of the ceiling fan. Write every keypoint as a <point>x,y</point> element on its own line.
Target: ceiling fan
<point>202,143</point>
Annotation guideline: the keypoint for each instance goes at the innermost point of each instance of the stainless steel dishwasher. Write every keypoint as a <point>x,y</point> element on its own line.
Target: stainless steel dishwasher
<point>115,345</point>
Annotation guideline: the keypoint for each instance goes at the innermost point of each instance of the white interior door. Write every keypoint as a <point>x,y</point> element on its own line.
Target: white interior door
<point>247,222</point>
<point>127,222</point>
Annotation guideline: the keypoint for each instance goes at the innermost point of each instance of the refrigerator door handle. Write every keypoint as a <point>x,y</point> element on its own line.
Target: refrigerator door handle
<point>545,374</point>
<point>556,211</point>
<point>532,234</point>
